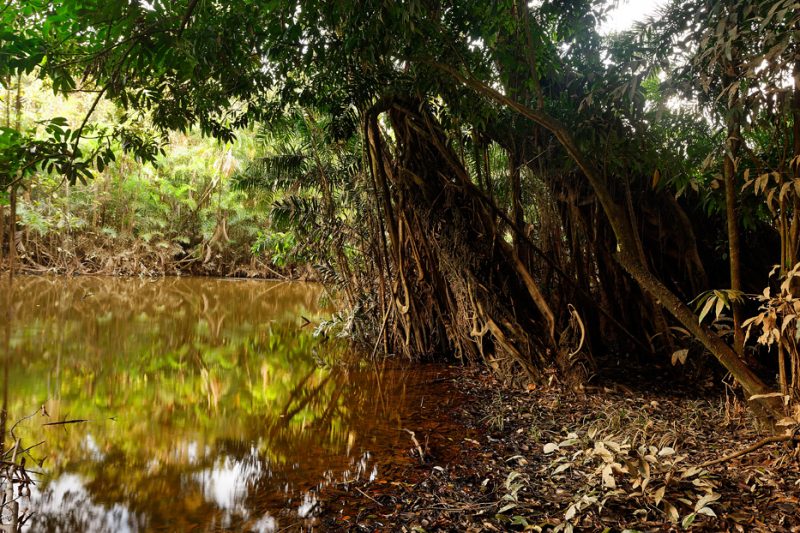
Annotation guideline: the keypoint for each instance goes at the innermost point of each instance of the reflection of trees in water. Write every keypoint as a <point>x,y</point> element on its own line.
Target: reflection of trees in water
<point>329,445</point>
<point>92,322</point>
<point>150,354</point>
<point>93,296</point>
<point>343,408</point>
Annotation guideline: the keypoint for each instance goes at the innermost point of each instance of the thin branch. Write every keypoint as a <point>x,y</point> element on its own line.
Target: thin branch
<point>368,496</point>
<point>6,6</point>
<point>89,114</point>
<point>86,57</point>
<point>187,16</point>
<point>64,422</point>
<point>11,431</point>
<point>753,447</point>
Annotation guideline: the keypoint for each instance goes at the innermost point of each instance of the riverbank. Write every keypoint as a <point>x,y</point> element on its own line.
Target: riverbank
<point>137,259</point>
<point>610,460</point>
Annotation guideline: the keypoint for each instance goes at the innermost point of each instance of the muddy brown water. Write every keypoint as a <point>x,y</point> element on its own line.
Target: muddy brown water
<point>196,404</point>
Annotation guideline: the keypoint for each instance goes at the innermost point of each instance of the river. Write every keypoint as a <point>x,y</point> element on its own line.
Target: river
<point>198,404</point>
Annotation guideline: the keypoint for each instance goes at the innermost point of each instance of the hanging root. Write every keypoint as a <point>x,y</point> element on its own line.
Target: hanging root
<point>574,363</point>
<point>577,318</point>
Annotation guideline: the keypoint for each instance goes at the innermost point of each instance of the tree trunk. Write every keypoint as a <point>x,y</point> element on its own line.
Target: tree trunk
<point>3,230</point>
<point>793,237</point>
<point>734,251</point>
<point>8,101</point>
<point>796,119</point>
<point>12,231</point>
<point>2,235</point>
<point>517,213</point>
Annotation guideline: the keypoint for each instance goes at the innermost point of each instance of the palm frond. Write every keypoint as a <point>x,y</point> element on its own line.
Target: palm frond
<point>273,172</point>
<point>295,212</point>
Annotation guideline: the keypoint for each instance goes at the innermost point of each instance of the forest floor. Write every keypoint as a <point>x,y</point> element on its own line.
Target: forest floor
<point>613,459</point>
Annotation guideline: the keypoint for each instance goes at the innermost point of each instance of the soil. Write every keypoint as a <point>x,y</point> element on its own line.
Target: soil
<point>611,458</point>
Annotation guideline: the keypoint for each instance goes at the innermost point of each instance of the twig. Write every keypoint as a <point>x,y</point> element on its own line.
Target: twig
<point>368,496</point>
<point>416,443</point>
<point>287,528</point>
<point>753,447</point>
<point>79,131</point>
<point>63,422</point>
<point>462,508</point>
<point>11,431</point>
<point>29,448</point>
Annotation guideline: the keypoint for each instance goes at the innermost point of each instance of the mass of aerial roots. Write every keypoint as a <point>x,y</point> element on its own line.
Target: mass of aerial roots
<point>451,283</point>
<point>455,277</point>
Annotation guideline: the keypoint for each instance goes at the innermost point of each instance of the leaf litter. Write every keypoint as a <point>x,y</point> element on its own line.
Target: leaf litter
<point>549,460</point>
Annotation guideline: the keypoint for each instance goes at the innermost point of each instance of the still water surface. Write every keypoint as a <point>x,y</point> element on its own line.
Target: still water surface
<point>205,404</point>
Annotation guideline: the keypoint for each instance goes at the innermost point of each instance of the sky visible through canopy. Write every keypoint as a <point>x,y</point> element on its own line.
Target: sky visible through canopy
<point>629,12</point>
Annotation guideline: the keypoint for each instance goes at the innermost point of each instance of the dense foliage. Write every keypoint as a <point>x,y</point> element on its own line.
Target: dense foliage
<point>493,181</point>
<point>184,212</point>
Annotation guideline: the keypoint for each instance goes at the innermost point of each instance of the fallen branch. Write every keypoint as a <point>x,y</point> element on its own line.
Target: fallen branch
<point>753,447</point>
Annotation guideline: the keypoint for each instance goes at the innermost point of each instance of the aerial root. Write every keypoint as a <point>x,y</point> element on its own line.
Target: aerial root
<point>577,318</point>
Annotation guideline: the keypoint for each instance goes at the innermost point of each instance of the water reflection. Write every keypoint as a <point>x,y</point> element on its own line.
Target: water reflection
<point>207,405</point>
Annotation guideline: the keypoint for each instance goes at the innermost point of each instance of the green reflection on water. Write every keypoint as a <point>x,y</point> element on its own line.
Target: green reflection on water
<point>207,404</point>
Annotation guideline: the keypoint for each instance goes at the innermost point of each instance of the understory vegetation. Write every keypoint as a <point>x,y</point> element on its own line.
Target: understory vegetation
<point>502,183</point>
<point>181,211</point>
